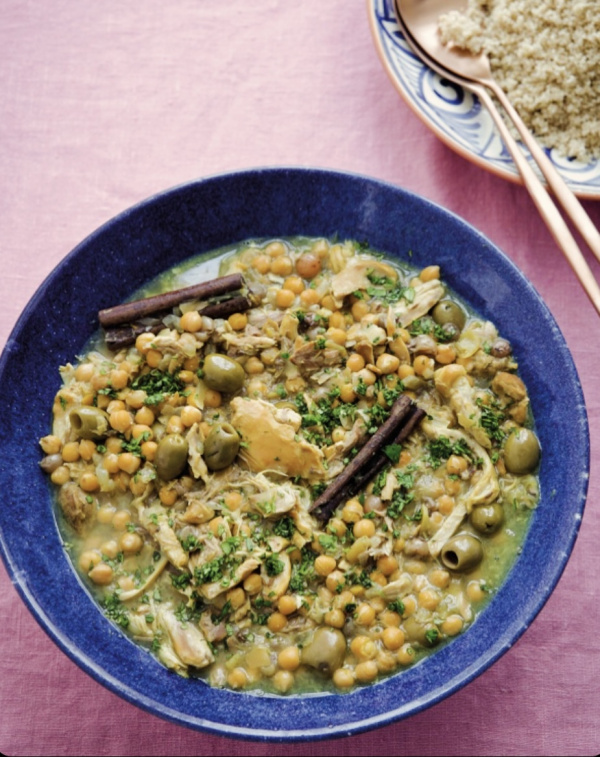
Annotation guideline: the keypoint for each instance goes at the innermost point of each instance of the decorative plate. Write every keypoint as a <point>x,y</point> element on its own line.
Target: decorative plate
<point>454,114</point>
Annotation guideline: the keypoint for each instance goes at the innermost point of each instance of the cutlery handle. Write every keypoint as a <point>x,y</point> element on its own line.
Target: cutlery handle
<point>546,207</point>
<point>571,205</point>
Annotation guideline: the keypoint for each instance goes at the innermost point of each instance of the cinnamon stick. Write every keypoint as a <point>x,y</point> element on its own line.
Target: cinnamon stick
<point>371,459</point>
<point>122,336</point>
<point>133,311</point>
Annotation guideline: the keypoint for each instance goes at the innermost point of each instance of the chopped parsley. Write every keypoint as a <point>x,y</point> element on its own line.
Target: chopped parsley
<point>158,385</point>
<point>114,610</point>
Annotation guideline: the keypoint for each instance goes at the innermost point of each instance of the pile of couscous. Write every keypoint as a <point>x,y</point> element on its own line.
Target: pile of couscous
<point>546,57</point>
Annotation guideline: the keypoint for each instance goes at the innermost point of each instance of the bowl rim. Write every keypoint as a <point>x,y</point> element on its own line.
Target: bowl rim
<point>28,585</point>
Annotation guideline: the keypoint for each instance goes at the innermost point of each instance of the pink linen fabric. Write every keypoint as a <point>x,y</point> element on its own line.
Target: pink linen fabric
<point>103,104</point>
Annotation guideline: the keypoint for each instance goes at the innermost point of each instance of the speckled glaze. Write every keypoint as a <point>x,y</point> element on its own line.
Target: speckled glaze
<point>188,220</point>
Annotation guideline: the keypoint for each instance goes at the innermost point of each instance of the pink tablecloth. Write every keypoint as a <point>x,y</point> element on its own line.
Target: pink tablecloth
<point>105,103</point>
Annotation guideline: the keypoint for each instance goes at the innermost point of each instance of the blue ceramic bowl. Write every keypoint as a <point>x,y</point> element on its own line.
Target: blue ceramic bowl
<point>164,230</point>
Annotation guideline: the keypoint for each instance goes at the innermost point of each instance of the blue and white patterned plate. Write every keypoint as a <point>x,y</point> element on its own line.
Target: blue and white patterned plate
<point>454,114</point>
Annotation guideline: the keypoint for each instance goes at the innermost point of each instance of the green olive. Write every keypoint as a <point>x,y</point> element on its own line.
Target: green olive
<point>326,650</point>
<point>89,422</point>
<point>171,456</point>
<point>521,451</point>
<point>462,552</point>
<point>448,311</point>
<point>221,446</point>
<point>487,519</point>
<point>425,634</point>
<point>223,374</point>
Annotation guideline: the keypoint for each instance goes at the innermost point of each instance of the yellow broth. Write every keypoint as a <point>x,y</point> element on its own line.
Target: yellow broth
<point>186,465</point>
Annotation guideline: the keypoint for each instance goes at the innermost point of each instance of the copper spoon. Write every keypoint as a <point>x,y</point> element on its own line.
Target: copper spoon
<point>450,63</point>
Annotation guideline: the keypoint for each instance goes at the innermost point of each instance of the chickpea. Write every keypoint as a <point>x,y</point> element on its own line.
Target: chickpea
<point>308,265</point>
<point>334,579</point>
<point>365,615</point>
<point>277,621</point>
<point>145,416</point>
<point>355,362</point>
<point>136,399</point>
<point>175,425</point>
<point>424,366</point>
<point>352,511</point>
<point>387,363</point>
<point>233,500</point>
<point>456,464</point>
<point>105,514</point>
<point>238,678</point>
<point>337,335</point>
<point>84,371</point>
<point>452,625</point>
<point>154,358</point>
<point>445,354</point>
<point>429,599</point>
<point>252,584</point>
<point>363,527</point>
<point>406,654</point>
<point>474,591</point>
<point>405,370</point>
<point>390,618</point>
<point>387,564</point>
<point>143,342</point>
<point>324,565</point>
<point>167,495</point>
<point>344,678</point>
<point>131,543</point>
<point>275,249</point>
<point>89,482</point>
<point>410,605</point>
<point>70,452</point>
<point>286,604</point>
<point>337,526</point>
<point>121,520</point>
<point>89,559</point>
<point>347,393</point>
<point>445,504</point>
<point>148,449</point>
<point>289,658</point>
<point>282,266</point>
<point>440,578</point>
<point>86,449</point>
<point>60,475</point>
<point>367,376</point>
<point>119,379</point>
<point>283,680</point>
<point>310,297</point>
<point>335,618</point>
<point>120,420</point>
<point>430,273</point>
<point>212,398</point>
<point>129,463</point>
<point>367,671</point>
<point>359,310</point>
<point>99,381</point>
<point>284,298</point>
<point>363,648</point>
<point>254,365</point>
<point>392,637</point>
<point>190,415</point>
<point>101,574</point>
<point>262,263</point>
<point>238,321</point>
<point>237,597</point>
<point>294,284</point>
<point>141,429</point>
<point>452,486</point>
